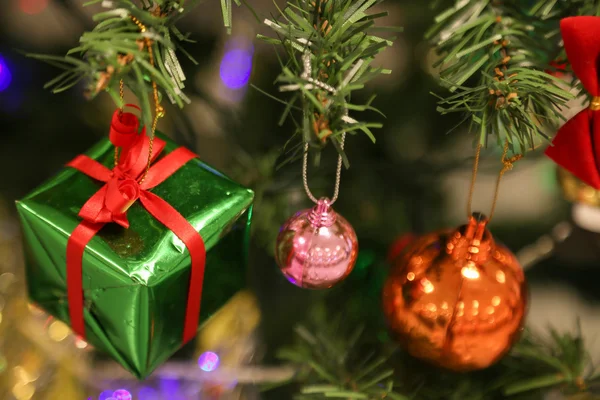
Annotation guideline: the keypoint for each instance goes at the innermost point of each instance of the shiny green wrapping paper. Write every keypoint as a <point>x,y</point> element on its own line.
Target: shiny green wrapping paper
<point>136,280</point>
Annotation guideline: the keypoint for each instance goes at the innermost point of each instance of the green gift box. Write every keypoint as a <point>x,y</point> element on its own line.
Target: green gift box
<point>135,281</point>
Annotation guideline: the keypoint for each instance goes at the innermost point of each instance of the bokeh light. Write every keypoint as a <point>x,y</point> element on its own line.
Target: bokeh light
<point>170,387</point>
<point>236,66</point>
<point>23,391</point>
<point>58,331</point>
<point>5,75</point>
<point>35,310</point>
<point>122,394</point>
<point>80,343</point>
<point>147,393</point>
<point>33,7</point>
<point>106,395</point>
<point>208,361</point>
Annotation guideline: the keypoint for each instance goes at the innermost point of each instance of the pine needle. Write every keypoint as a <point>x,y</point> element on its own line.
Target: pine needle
<point>539,364</point>
<point>341,39</point>
<point>494,58</point>
<point>111,51</point>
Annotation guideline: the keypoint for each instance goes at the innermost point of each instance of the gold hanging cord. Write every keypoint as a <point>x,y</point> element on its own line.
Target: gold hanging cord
<point>159,110</point>
<point>507,164</point>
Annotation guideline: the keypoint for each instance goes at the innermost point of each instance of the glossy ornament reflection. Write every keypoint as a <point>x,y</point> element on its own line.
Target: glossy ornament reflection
<point>316,248</point>
<point>456,298</point>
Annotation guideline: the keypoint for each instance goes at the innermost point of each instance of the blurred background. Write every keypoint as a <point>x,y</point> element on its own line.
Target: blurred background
<point>413,180</point>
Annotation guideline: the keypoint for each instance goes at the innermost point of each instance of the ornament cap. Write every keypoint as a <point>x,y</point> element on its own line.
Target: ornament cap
<point>472,241</point>
<point>322,215</point>
<point>476,227</point>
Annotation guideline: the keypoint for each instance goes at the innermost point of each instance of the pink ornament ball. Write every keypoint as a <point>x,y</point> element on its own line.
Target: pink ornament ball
<point>316,248</point>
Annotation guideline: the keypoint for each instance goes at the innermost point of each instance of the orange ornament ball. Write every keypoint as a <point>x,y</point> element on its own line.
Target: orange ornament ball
<point>456,298</point>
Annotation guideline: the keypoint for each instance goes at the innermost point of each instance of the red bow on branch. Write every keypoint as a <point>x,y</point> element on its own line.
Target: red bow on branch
<point>111,202</point>
<point>576,146</point>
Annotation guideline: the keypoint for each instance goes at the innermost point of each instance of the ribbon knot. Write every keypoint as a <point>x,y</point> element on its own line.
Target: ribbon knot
<point>121,193</point>
<point>576,146</point>
<point>121,190</point>
<point>118,173</point>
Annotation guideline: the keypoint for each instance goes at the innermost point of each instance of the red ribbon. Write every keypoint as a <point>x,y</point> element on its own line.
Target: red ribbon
<point>576,146</point>
<point>111,202</point>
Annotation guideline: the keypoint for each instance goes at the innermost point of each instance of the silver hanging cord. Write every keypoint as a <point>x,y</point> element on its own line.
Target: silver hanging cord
<point>306,75</point>
<point>338,174</point>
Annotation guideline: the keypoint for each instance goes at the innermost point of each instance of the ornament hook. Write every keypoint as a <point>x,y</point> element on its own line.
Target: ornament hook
<point>322,215</point>
<point>312,84</point>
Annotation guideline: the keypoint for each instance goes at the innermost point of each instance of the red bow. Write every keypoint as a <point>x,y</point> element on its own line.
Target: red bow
<point>576,146</point>
<point>111,202</point>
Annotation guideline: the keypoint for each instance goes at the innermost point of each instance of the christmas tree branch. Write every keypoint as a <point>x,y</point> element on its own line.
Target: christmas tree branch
<point>116,50</point>
<point>493,57</point>
<point>332,369</point>
<point>330,47</point>
<point>342,362</point>
<point>549,13</point>
<point>553,9</point>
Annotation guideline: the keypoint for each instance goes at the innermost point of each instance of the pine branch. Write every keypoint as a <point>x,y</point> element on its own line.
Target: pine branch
<point>341,361</point>
<point>550,12</point>
<point>335,367</point>
<point>115,50</point>
<point>555,9</point>
<point>564,356</point>
<point>493,58</point>
<point>340,38</point>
